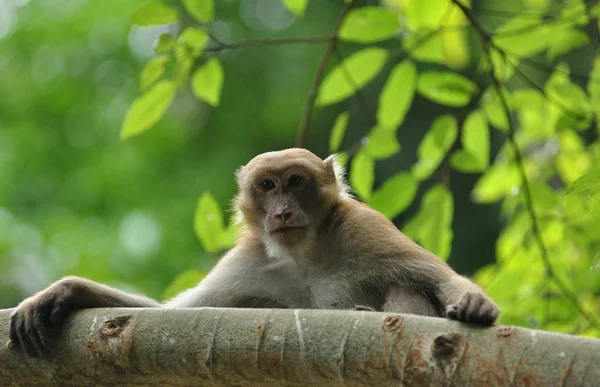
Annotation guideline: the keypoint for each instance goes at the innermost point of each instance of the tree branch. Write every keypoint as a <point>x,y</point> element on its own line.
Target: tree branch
<point>312,94</point>
<point>218,346</point>
<point>222,46</point>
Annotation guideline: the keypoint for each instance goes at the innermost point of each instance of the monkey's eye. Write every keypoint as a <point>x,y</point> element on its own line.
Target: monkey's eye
<point>295,181</point>
<point>267,184</point>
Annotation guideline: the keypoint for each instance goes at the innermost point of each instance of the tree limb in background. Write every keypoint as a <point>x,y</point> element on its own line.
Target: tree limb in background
<point>218,346</point>
<point>312,94</point>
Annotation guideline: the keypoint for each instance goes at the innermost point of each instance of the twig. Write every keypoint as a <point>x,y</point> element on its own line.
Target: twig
<point>312,94</point>
<point>222,46</point>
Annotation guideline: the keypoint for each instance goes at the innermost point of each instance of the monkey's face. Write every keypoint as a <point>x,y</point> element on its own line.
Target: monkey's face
<point>284,196</point>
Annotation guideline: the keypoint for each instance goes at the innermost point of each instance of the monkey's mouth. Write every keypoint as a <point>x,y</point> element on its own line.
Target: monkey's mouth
<point>287,229</point>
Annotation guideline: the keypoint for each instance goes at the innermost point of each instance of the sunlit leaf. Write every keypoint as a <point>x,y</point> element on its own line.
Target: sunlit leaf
<point>201,10</point>
<point>432,226</point>
<point>207,82</point>
<point>382,143</point>
<point>426,14</point>
<point>362,175</point>
<point>446,88</point>
<point>567,41</point>
<point>183,281</point>
<point>153,71</point>
<point>342,159</point>
<point>434,145</point>
<point>195,38</point>
<point>544,198</point>
<point>153,12</point>
<point>208,223</point>
<point>475,138</point>
<point>568,99</point>
<point>453,40</point>
<point>497,182</point>
<point>397,95</point>
<point>369,24</point>
<point>395,195</point>
<point>494,109</point>
<point>165,44</point>
<point>338,131</point>
<point>148,109</point>
<point>296,6</point>
<point>524,36</point>
<point>588,181</point>
<point>572,160</point>
<point>361,67</point>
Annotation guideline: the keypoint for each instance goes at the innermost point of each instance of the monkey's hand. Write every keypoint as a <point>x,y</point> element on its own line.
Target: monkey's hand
<point>37,321</point>
<point>474,308</point>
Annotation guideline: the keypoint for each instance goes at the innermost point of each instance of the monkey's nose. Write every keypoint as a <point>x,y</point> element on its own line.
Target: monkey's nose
<point>284,215</point>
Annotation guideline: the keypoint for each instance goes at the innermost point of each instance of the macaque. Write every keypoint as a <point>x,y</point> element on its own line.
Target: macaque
<point>306,243</point>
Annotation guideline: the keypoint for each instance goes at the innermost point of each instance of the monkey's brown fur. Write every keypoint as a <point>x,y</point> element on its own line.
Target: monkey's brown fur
<point>306,243</point>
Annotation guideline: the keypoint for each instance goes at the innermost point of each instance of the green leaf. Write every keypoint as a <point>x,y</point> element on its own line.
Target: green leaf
<point>361,68</point>
<point>208,223</point>
<point>524,36</point>
<point>397,95</point>
<point>497,182</point>
<point>475,138</point>
<point>201,10</point>
<point>382,143</point>
<point>446,88</point>
<point>362,175</point>
<point>153,12</point>
<point>369,24</point>
<point>395,195</point>
<point>148,109</point>
<point>434,146</point>
<point>494,109</point>
<point>567,41</point>
<point>207,82</point>
<point>432,225</point>
<point>568,99</point>
<point>296,6</point>
<point>153,71</point>
<point>165,44</point>
<point>183,281</point>
<point>338,131</point>
<point>588,181</point>
<point>195,38</point>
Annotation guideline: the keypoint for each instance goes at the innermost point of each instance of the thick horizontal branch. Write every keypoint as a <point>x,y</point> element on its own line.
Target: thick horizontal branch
<point>296,347</point>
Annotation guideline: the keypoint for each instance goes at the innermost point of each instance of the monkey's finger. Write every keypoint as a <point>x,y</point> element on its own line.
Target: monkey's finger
<point>58,313</point>
<point>24,340</point>
<point>14,337</point>
<point>40,323</point>
<point>32,334</point>
<point>474,309</point>
<point>452,312</point>
<point>463,306</point>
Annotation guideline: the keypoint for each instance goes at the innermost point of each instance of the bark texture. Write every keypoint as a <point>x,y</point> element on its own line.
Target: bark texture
<point>239,347</point>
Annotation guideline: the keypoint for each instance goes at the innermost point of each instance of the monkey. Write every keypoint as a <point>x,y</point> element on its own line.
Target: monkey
<point>306,243</point>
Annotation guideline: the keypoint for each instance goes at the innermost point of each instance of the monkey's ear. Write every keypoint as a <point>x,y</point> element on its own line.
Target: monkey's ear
<point>333,165</point>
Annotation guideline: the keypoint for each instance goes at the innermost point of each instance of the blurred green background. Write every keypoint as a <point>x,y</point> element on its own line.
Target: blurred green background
<point>74,199</point>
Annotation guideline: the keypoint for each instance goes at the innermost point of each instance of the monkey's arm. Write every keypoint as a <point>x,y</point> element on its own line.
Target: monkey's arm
<point>40,317</point>
<point>239,280</point>
<point>420,276</point>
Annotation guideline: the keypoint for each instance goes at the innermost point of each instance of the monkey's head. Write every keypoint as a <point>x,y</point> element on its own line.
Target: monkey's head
<point>285,196</point>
